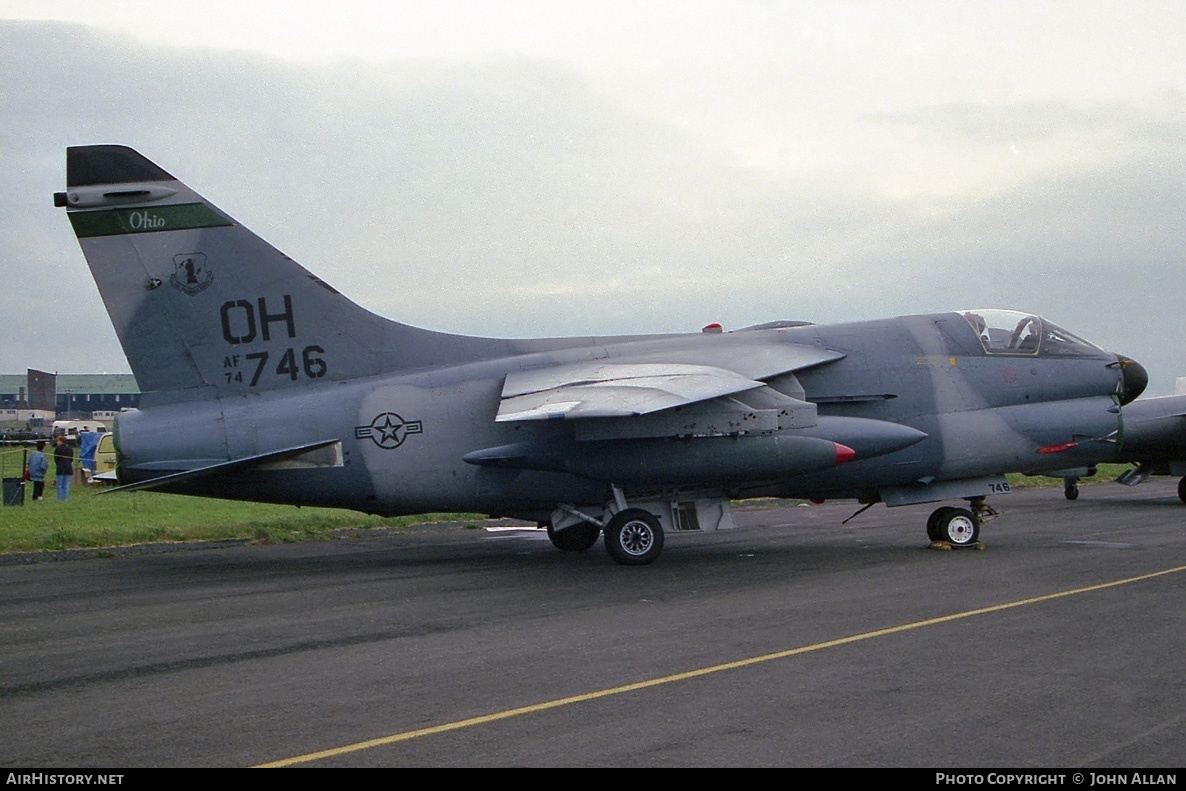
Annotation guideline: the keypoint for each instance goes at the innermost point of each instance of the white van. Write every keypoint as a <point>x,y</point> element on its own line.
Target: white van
<point>105,459</point>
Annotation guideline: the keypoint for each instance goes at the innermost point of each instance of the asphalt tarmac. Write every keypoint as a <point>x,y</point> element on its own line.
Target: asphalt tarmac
<point>792,641</point>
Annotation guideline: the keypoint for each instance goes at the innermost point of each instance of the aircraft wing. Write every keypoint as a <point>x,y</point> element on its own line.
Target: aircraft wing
<point>587,390</point>
<point>647,382</point>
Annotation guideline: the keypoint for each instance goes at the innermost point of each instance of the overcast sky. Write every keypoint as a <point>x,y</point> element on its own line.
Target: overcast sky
<point>559,168</point>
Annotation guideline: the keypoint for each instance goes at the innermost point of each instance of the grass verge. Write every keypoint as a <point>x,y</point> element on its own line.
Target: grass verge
<point>1106,473</point>
<point>87,520</point>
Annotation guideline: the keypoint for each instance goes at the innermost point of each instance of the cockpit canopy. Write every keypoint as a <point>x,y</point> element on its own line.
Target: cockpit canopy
<point>1012,332</point>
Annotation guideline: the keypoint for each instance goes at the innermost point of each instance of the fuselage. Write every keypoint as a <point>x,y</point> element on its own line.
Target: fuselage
<point>404,436</point>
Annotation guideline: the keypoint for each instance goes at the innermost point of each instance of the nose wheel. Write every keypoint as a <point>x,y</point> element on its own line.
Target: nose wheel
<point>958,527</point>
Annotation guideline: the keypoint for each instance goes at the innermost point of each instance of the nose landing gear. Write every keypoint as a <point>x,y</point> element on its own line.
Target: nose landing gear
<point>959,528</point>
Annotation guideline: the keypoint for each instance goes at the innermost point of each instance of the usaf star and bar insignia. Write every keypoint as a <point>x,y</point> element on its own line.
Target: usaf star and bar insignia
<point>388,430</point>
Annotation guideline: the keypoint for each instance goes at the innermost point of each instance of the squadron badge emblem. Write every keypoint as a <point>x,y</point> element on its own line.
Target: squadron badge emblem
<point>191,273</point>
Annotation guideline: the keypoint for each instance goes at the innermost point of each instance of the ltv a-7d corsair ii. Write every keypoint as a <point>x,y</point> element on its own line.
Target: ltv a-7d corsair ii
<point>261,382</point>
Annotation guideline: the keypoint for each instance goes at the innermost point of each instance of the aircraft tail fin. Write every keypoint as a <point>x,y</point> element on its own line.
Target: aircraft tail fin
<point>203,307</point>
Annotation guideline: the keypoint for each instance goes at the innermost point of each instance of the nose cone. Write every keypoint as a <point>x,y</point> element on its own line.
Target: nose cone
<point>1133,379</point>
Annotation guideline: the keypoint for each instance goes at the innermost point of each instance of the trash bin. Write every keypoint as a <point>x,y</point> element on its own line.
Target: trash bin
<point>14,491</point>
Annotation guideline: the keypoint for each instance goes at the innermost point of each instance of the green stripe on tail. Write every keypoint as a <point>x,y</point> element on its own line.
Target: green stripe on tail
<point>115,222</point>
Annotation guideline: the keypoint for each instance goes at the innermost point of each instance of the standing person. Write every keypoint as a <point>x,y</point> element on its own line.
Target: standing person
<point>64,461</point>
<point>36,468</point>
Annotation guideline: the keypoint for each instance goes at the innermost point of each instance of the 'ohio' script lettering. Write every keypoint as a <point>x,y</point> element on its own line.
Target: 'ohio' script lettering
<point>142,219</point>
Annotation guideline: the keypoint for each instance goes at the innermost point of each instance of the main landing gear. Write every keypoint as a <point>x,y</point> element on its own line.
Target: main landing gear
<point>634,529</point>
<point>634,537</point>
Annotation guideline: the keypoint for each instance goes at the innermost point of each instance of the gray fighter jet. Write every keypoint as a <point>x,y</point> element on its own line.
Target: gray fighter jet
<point>261,382</point>
<point>1152,437</point>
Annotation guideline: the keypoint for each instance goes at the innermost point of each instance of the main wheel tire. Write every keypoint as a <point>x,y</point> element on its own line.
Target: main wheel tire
<point>959,527</point>
<point>634,537</point>
<point>933,522</point>
<point>577,538</point>
<point>1182,490</point>
<point>1071,491</point>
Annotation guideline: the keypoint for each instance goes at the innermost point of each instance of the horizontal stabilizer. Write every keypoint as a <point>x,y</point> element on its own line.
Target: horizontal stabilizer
<point>291,458</point>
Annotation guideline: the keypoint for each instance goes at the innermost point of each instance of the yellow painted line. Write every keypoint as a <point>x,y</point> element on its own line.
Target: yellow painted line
<point>656,682</point>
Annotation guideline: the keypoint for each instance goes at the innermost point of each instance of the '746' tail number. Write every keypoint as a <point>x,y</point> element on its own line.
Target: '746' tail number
<point>311,364</point>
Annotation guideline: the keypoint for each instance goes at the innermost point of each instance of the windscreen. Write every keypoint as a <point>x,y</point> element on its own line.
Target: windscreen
<point>1013,332</point>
